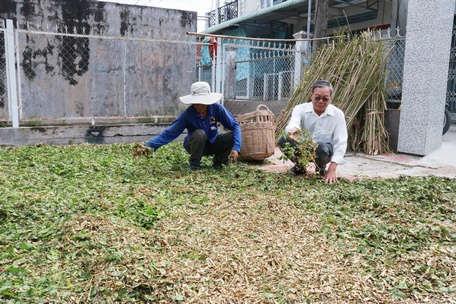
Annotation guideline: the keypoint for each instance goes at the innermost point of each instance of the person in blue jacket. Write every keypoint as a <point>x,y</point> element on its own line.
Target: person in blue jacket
<point>201,120</point>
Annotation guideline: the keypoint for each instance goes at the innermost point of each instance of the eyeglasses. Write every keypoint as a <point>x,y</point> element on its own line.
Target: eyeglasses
<point>318,98</point>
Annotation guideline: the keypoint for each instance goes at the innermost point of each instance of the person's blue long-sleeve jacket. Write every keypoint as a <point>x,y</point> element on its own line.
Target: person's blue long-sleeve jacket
<point>191,120</point>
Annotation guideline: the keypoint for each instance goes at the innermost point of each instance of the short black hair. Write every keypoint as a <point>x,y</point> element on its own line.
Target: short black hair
<point>322,84</point>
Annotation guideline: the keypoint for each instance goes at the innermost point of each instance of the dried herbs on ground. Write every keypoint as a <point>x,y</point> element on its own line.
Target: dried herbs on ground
<point>92,224</point>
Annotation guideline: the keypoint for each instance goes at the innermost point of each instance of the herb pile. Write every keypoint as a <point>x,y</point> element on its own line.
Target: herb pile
<point>93,224</point>
<point>302,151</point>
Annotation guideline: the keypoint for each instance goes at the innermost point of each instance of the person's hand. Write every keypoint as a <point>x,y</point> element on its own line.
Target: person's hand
<point>234,156</point>
<point>291,134</point>
<point>331,176</point>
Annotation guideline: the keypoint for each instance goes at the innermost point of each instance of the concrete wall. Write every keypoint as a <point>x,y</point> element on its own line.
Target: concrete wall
<point>65,76</point>
<point>102,132</point>
<point>249,7</point>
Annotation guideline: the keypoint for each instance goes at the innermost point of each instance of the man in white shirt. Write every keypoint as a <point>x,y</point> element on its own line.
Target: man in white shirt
<point>326,124</point>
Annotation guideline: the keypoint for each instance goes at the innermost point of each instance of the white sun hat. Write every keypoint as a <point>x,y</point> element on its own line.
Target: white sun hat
<point>201,94</point>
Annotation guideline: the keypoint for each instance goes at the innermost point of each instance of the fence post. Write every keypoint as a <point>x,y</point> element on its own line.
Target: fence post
<point>219,77</point>
<point>302,51</point>
<point>280,86</point>
<point>11,78</point>
<point>230,73</point>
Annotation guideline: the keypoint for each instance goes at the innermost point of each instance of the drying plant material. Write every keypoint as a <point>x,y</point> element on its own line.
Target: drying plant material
<point>303,152</point>
<point>141,151</point>
<point>356,68</point>
<point>91,224</point>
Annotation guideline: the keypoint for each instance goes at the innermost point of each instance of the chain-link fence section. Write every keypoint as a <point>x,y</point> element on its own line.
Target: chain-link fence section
<point>451,89</point>
<point>263,71</point>
<point>394,46</point>
<point>78,76</point>
<point>4,116</point>
<point>74,75</point>
<point>395,69</point>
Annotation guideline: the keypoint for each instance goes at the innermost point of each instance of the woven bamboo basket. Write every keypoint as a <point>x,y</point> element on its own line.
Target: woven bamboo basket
<point>258,134</point>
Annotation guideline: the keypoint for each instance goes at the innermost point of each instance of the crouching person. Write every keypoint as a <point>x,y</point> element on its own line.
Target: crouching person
<point>327,127</point>
<point>201,119</point>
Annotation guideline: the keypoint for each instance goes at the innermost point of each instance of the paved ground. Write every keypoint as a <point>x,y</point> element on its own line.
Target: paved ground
<point>441,162</point>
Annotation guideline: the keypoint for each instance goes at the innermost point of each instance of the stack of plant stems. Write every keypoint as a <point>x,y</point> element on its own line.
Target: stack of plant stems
<point>356,68</point>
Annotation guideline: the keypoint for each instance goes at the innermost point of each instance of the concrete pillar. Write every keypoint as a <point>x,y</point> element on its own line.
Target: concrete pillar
<point>301,56</point>
<point>427,53</point>
<point>230,73</point>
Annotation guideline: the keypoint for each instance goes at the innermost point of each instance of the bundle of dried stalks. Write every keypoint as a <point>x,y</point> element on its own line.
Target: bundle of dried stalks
<point>356,68</point>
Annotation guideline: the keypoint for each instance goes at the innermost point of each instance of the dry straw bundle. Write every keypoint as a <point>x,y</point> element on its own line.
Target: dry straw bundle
<point>356,68</point>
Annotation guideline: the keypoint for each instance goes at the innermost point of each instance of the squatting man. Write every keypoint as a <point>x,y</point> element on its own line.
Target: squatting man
<point>201,120</point>
<point>327,127</point>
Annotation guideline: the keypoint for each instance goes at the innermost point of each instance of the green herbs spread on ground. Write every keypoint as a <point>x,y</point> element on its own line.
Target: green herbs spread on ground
<point>95,224</point>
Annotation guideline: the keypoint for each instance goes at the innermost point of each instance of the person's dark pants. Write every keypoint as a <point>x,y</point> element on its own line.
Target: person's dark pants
<point>198,146</point>
<point>323,153</point>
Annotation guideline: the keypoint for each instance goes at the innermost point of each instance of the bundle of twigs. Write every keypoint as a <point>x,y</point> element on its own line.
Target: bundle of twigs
<point>356,68</point>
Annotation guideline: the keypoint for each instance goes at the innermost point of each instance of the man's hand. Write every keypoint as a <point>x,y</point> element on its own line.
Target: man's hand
<point>291,134</point>
<point>331,176</point>
<point>234,156</point>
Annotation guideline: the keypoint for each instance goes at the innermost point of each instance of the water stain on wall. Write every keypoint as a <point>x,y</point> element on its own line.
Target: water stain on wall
<point>8,7</point>
<point>186,19</point>
<point>74,55</point>
<point>74,52</point>
<point>32,58</point>
<point>124,22</point>
<point>27,63</point>
<point>94,134</point>
<point>27,9</point>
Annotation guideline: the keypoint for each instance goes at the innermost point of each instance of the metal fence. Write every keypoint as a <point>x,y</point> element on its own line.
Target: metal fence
<point>224,13</point>
<point>123,77</point>
<point>74,75</point>
<point>70,74</point>
<point>265,72</point>
<point>262,70</point>
<point>394,46</point>
<point>451,87</point>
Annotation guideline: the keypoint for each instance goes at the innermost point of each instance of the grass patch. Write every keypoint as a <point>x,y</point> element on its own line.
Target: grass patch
<point>99,223</point>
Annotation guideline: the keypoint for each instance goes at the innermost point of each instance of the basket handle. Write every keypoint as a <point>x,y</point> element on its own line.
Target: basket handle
<point>262,105</point>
